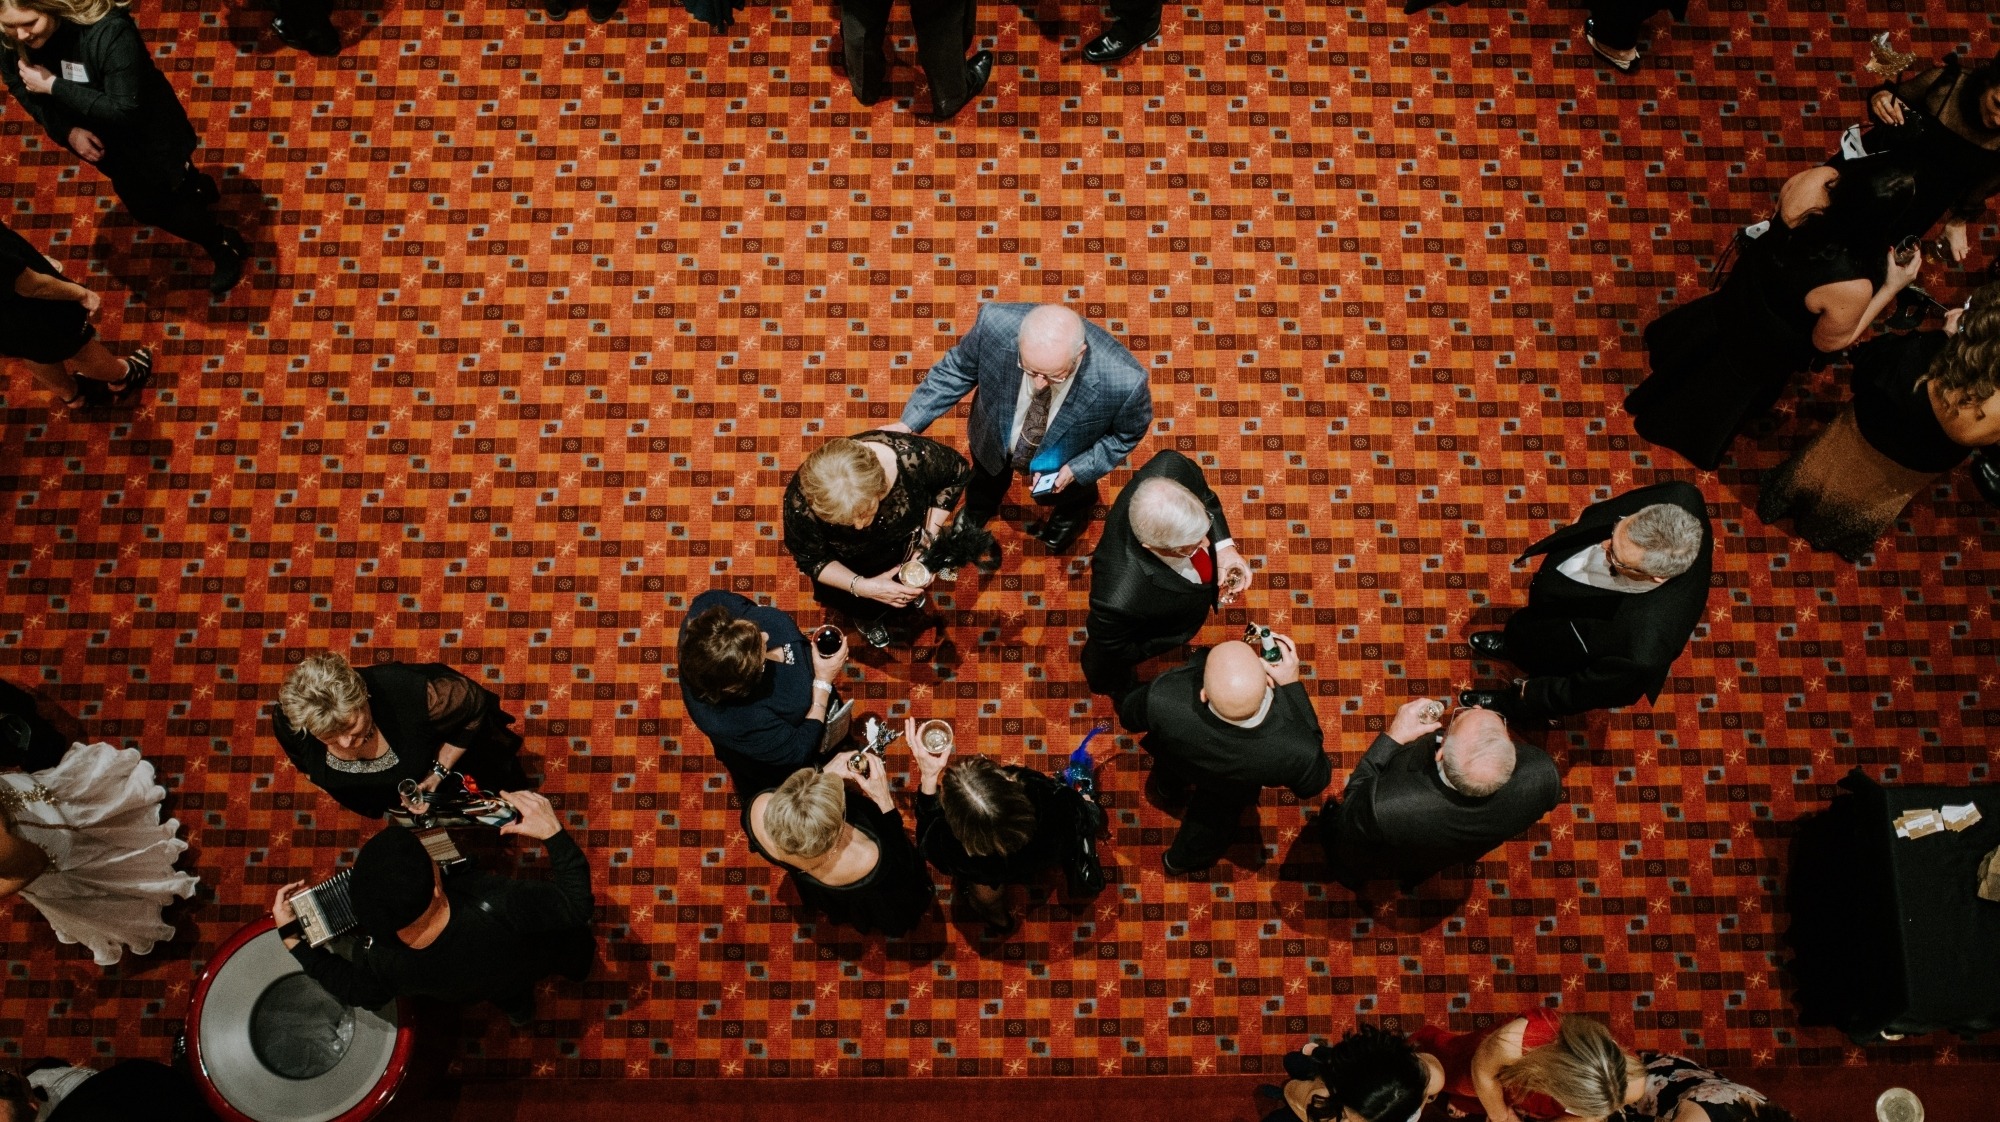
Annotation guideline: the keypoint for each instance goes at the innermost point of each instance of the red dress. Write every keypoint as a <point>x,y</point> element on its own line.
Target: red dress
<point>1455,1050</point>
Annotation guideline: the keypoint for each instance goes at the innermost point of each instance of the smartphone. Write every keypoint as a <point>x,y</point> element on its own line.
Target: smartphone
<point>1045,484</point>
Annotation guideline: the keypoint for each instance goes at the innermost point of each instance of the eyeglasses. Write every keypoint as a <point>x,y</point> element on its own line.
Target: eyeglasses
<point>1055,378</point>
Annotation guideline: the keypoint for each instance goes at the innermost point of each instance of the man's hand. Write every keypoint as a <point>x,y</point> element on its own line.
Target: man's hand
<point>84,143</point>
<point>1232,574</point>
<point>886,589</point>
<point>92,304</point>
<point>827,667</point>
<point>38,79</point>
<point>281,904</point>
<point>1064,477</point>
<point>894,426</point>
<point>930,764</point>
<point>1418,718</point>
<point>1955,239</point>
<point>1285,671</point>
<point>1888,110</point>
<point>538,819</point>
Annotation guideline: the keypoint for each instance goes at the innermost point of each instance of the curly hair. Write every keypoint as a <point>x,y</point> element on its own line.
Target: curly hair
<point>1967,372</point>
<point>722,657</point>
<point>1373,1072</point>
<point>323,695</point>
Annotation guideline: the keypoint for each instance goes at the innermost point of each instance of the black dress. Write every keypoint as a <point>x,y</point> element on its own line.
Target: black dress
<point>1722,360</point>
<point>1943,144</point>
<point>928,475</point>
<point>895,894</point>
<point>1892,403</point>
<point>1059,820</point>
<point>45,331</point>
<point>761,739</point>
<point>418,708</point>
<point>1672,1080</point>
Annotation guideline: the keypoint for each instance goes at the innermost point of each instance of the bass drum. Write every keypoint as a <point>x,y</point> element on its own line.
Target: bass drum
<point>267,1044</point>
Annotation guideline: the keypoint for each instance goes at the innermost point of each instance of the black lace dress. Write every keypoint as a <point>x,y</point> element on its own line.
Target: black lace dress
<point>1944,144</point>
<point>895,894</point>
<point>1672,1080</point>
<point>1722,360</point>
<point>418,708</point>
<point>928,475</point>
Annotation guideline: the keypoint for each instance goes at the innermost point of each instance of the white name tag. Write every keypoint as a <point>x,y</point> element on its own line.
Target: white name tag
<point>74,72</point>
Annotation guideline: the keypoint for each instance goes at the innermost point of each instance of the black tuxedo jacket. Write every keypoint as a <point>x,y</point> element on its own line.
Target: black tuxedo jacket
<point>1397,817</point>
<point>1139,606</point>
<point>1286,750</point>
<point>1611,648</point>
<point>131,1090</point>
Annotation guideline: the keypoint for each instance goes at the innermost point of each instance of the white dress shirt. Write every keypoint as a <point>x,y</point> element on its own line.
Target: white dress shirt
<point>1026,397</point>
<point>1185,566</point>
<point>1593,567</point>
<point>1254,719</point>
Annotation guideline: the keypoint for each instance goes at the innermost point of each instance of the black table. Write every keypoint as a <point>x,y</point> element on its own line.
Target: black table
<point>1888,933</point>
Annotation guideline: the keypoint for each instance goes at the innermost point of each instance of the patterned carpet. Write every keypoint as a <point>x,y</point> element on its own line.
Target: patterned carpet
<point>544,315</point>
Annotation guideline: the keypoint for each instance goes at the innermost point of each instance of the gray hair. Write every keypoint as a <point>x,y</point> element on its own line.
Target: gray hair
<point>1166,515</point>
<point>1478,763</point>
<point>1668,536</point>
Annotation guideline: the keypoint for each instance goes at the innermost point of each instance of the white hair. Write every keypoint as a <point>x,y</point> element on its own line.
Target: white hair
<point>1668,537</point>
<point>1166,515</point>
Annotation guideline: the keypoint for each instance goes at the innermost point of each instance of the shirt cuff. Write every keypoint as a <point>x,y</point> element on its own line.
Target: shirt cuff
<point>1226,543</point>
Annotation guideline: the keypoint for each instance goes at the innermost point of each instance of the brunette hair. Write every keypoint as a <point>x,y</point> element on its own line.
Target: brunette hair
<point>1373,1072</point>
<point>1967,372</point>
<point>986,807</point>
<point>722,657</point>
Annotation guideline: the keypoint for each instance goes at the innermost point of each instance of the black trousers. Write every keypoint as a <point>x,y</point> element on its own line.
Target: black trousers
<point>177,200</point>
<point>1615,23</point>
<point>1137,13</point>
<point>1213,818</point>
<point>987,490</point>
<point>945,32</point>
<point>305,13</point>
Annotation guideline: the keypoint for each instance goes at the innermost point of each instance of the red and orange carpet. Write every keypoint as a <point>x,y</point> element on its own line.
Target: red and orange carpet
<point>544,315</point>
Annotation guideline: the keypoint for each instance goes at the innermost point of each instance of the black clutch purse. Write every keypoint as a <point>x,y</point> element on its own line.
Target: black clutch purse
<point>1083,870</point>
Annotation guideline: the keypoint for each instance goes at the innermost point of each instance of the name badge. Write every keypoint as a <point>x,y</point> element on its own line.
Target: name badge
<point>74,72</point>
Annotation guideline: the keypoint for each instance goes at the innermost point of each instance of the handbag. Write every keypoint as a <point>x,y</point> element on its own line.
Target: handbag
<point>1082,867</point>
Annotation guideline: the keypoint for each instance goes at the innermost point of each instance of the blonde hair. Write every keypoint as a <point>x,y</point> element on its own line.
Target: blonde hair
<point>324,695</point>
<point>1583,1068</point>
<point>840,479</point>
<point>84,12</point>
<point>805,814</point>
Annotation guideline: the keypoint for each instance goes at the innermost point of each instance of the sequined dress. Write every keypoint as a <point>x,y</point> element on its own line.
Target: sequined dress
<point>111,860</point>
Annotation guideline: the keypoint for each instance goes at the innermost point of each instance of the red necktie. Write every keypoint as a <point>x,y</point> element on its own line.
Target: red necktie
<point>1204,565</point>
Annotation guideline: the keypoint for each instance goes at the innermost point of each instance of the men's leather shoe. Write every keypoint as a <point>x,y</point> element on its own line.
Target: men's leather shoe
<point>601,11</point>
<point>230,255</point>
<point>1061,531</point>
<point>1412,7</point>
<point>1986,476</point>
<point>556,9</point>
<point>1174,870</point>
<point>1488,644</point>
<point>977,70</point>
<point>1117,41</point>
<point>1484,699</point>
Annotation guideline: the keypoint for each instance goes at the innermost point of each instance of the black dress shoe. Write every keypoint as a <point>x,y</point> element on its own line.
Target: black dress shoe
<point>1119,40</point>
<point>978,69</point>
<point>230,256</point>
<point>1986,476</point>
<point>556,9</point>
<point>1412,7</point>
<point>602,10</point>
<point>314,39</point>
<point>1061,531</point>
<point>1484,699</point>
<point>1489,644</point>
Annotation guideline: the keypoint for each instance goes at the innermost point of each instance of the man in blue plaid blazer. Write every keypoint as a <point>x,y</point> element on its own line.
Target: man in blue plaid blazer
<point>1059,400</point>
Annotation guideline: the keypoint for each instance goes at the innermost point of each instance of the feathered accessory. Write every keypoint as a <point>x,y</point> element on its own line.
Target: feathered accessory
<point>1885,61</point>
<point>962,544</point>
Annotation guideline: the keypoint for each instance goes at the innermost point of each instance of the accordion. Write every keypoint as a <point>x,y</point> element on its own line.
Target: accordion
<point>326,910</point>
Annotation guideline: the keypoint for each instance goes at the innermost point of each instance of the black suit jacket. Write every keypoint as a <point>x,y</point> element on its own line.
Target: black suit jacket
<point>133,1089</point>
<point>1139,606</point>
<point>1620,644</point>
<point>1286,750</point>
<point>1398,819</point>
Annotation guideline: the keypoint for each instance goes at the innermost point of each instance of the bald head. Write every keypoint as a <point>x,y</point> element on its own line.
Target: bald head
<point>1476,753</point>
<point>1233,682</point>
<point>1051,336</point>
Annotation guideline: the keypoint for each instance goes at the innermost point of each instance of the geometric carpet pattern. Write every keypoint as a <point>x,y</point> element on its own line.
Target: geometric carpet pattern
<point>544,315</point>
